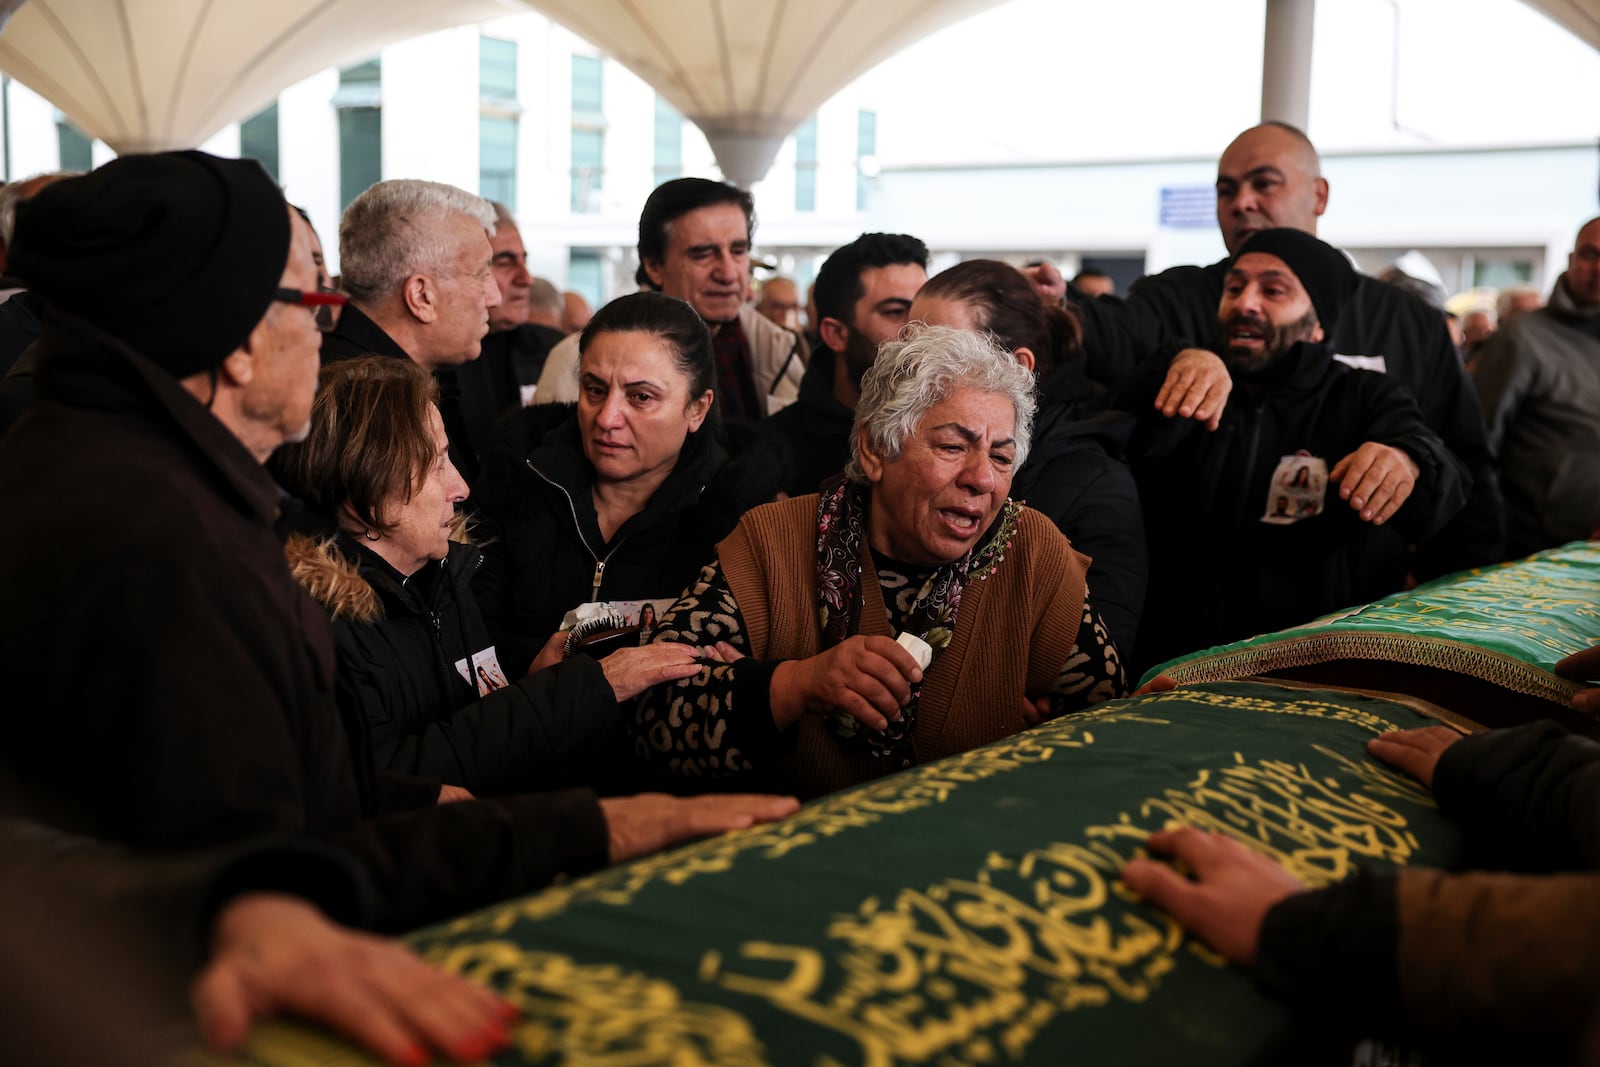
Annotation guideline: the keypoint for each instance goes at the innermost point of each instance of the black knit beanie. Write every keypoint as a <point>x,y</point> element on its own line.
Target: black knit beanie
<point>175,254</point>
<point>1323,270</point>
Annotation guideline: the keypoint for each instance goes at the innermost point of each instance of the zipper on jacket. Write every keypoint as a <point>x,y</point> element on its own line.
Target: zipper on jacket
<point>577,528</point>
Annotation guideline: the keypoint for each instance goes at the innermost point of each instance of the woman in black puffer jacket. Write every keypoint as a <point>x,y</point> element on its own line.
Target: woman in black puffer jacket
<point>419,680</point>
<point>623,498</point>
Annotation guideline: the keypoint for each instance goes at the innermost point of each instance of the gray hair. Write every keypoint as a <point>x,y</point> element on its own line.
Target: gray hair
<point>502,215</point>
<point>1507,296</point>
<point>923,369</point>
<point>386,235</point>
<point>16,192</point>
<point>542,294</point>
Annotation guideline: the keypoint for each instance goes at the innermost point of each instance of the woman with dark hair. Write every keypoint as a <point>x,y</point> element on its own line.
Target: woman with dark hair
<point>418,680</point>
<point>624,499</point>
<point>1074,472</point>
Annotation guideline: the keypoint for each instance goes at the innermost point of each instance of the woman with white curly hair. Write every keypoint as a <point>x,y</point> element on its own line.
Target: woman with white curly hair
<point>805,598</point>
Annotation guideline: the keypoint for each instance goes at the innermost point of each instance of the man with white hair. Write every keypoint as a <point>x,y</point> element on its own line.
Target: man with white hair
<point>416,263</point>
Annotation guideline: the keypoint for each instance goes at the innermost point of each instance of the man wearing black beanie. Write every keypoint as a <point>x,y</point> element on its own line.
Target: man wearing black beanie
<point>1269,472</point>
<point>167,682</point>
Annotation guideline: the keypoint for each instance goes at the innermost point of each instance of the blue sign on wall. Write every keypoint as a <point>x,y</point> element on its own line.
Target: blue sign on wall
<point>1188,207</point>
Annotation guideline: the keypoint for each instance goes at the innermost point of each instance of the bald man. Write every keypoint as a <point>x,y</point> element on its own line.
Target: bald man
<point>1271,176</point>
<point>1539,380</point>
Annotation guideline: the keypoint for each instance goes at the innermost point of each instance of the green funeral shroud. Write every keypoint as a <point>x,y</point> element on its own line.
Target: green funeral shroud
<point>964,912</point>
<point>1507,624</point>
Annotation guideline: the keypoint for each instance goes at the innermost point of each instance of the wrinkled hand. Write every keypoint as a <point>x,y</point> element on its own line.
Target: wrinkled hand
<point>1416,751</point>
<point>1161,683</point>
<point>1583,666</point>
<point>454,794</point>
<point>722,652</point>
<point>1197,387</point>
<point>552,653</point>
<point>1376,479</point>
<point>649,822</point>
<point>867,678</point>
<point>274,953</point>
<point>633,670</point>
<point>1231,893</point>
<point>1047,282</point>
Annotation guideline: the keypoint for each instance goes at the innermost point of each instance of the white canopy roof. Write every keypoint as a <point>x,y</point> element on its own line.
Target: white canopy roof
<point>146,75</point>
<point>1580,17</point>
<point>748,73</point>
<point>143,75</point>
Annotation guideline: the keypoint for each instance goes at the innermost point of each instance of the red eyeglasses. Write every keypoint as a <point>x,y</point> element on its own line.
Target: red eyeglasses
<point>324,304</point>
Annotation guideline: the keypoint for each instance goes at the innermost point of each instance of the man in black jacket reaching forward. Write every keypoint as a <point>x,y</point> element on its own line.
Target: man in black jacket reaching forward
<point>1269,472</point>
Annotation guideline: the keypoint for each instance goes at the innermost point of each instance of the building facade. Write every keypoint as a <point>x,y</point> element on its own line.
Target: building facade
<point>524,111</point>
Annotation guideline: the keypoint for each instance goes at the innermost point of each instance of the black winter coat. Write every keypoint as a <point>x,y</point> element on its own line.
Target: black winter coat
<point>1075,475</point>
<point>357,335</point>
<point>406,649</point>
<point>815,428</point>
<point>543,553</point>
<point>88,922</point>
<point>1382,321</point>
<point>168,683</point>
<point>1218,572</point>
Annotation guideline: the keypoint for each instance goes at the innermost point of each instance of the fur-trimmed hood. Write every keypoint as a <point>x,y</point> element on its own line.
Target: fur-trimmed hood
<point>332,578</point>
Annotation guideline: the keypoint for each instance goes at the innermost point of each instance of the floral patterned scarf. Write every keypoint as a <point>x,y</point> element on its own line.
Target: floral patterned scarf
<point>841,520</point>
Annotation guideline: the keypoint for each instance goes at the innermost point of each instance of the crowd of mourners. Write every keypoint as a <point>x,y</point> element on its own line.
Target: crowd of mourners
<point>360,602</point>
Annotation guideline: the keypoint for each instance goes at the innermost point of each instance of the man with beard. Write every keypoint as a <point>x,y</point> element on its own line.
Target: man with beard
<point>863,293</point>
<point>1271,176</point>
<point>1225,437</point>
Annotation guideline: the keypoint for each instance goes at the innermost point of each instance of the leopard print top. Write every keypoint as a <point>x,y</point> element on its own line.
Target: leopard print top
<point>710,724</point>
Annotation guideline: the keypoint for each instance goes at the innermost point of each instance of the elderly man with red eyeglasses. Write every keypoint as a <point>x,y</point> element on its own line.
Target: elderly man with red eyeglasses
<point>167,683</point>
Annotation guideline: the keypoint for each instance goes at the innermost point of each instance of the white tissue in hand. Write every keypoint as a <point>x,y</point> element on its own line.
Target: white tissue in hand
<point>594,609</point>
<point>920,650</point>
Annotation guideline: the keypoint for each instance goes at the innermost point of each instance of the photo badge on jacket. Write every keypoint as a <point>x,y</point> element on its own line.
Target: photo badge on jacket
<point>483,671</point>
<point>1296,489</point>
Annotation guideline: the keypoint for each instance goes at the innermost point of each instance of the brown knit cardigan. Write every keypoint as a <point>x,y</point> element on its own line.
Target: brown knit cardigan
<point>1014,631</point>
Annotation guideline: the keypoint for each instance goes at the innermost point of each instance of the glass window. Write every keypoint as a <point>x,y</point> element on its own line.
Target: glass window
<point>362,73</point>
<point>360,85</point>
<point>669,141</point>
<point>360,128</point>
<point>866,145</point>
<point>585,275</point>
<point>497,159</point>
<point>258,138</point>
<point>497,68</point>
<point>805,166</point>
<point>77,150</point>
<point>587,98</point>
<point>588,168</point>
<point>360,151</point>
<point>1496,273</point>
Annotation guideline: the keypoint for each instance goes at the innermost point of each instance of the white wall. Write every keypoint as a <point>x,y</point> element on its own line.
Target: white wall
<point>430,108</point>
